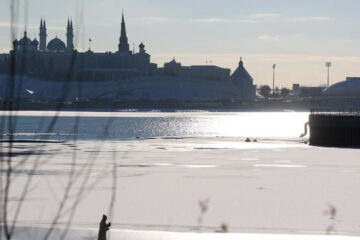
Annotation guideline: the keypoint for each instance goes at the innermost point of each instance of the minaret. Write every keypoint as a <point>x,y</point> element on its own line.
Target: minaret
<point>70,36</point>
<point>123,44</point>
<point>42,35</point>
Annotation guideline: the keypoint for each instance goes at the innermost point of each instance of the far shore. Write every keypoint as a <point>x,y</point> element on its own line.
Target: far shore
<point>297,104</point>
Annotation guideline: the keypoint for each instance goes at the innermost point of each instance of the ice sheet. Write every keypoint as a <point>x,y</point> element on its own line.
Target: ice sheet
<point>160,182</point>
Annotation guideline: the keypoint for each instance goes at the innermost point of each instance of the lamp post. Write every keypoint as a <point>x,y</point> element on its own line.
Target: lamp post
<point>274,66</point>
<point>328,65</point>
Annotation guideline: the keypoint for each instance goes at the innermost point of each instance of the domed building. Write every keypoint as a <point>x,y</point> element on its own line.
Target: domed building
<point>35,44</point>
<point>348,87</point>
<point>25,44</point>
<point>56,45</point>
<point>25,41</point>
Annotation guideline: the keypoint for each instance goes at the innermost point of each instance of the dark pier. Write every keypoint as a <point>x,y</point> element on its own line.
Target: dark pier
<point>335,127</point>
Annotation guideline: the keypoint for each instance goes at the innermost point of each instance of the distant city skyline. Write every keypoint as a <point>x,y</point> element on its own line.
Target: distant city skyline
<point>297,36</point>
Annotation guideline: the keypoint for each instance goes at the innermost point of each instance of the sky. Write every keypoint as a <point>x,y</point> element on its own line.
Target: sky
<point>297,36</point>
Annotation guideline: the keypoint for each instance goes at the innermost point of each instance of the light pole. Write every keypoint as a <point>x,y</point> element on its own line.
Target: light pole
<point>328,65</point>
<point>274,66</point>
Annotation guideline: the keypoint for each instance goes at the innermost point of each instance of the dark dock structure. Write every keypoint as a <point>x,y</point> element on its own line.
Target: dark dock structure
<point>335,127</point>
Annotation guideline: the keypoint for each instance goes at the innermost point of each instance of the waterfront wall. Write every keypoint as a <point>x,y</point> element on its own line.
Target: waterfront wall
<point>335,130</point>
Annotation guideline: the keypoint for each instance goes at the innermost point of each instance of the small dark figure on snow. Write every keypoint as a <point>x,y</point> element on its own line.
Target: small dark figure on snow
<point>103,228</point>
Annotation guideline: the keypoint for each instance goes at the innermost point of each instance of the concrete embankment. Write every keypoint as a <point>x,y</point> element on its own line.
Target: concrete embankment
<point>329,129</point>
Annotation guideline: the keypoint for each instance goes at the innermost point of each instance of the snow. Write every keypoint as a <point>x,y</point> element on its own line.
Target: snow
<point>269,187</point>
<point>26,233</point>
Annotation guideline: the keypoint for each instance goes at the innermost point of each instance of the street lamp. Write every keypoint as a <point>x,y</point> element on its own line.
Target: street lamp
<point>274,66</point>
<point>328,65</point>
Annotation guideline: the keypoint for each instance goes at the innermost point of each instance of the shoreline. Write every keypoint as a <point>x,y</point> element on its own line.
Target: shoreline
<point>299,104</point>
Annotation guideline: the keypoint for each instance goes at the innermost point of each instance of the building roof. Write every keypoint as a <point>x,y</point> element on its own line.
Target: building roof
<point>350,86</point>
<point>56,45</point>
<point>24,41</point>
<point>173,63</point>
<point>35,42</point>
<point>241,74</point>
<point>205,67</point>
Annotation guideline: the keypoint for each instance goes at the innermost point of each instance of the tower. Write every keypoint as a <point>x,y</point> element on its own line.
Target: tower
<point>123,44</point>
<point>142,48</point>
<point>42,35</point>
<point>70,36</point>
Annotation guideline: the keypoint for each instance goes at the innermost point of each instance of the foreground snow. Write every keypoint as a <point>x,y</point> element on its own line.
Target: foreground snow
<point>268,187</point>
<point>26,233</point>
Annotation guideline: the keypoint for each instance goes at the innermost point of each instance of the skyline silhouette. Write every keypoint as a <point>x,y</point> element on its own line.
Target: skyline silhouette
<point>297,37</point>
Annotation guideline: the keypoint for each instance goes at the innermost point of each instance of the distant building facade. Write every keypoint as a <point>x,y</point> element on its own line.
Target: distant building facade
<point>241,78</point>
<point>57,60</point>
<point>306,91</point>
<point>199,71</point>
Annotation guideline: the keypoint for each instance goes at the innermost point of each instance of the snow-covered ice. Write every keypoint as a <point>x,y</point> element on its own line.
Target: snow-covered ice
<point>265,187</point>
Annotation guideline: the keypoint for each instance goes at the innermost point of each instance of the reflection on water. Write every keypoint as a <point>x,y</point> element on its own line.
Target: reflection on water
<point>34,125</point>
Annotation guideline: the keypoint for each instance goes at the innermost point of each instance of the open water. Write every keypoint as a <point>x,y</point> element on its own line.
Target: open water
<point>41,125</point>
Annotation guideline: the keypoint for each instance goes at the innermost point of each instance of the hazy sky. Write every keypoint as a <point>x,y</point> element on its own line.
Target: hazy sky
<point>298,35</point>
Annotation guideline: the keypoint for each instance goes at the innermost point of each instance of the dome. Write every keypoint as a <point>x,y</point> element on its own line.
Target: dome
<point>350,86</point>
<point>35,42</point>
<point>142,45</point>
<point>56,45</point>
<point>24,41</point>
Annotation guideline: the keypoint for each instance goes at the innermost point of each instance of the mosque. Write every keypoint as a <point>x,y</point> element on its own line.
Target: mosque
<point>53,60</point>
<point>56,61</point>
<point>55,45</point>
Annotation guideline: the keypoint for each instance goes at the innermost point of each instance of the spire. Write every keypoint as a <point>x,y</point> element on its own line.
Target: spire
<point>70,36</point>
<point>42,35</point>
<point>123,44</point>
<point>241,62</point>
<point>123,26</point>
<point>71,25</point>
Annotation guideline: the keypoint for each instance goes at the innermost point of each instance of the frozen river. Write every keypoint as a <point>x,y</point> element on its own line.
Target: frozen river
<point>275,185</point>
